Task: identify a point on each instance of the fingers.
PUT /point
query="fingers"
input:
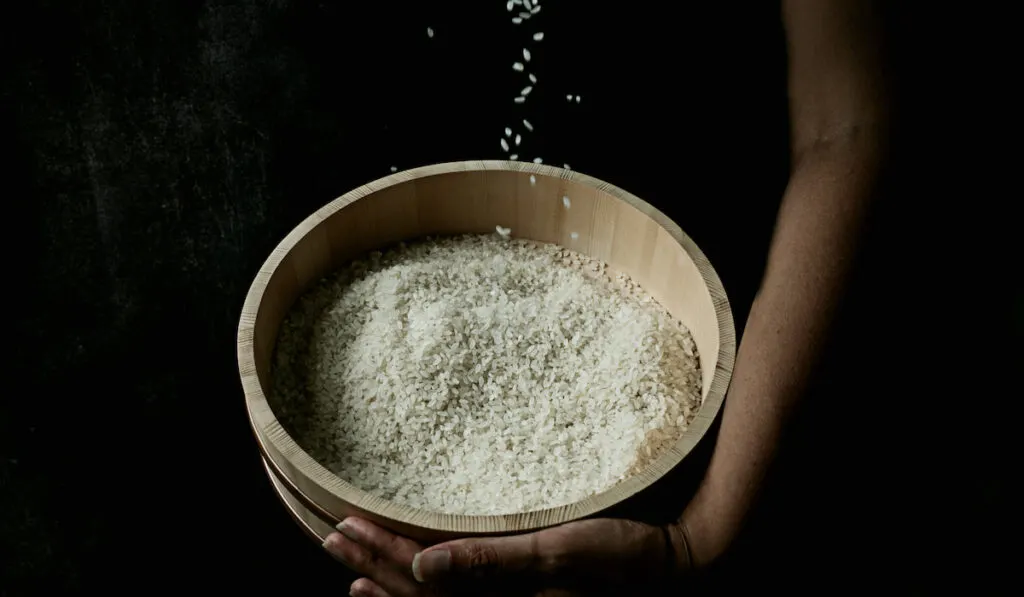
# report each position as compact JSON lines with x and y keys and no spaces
{"x":590,"y":552}
{"x":477,"y":558}
{"x":603,"y":552}
{"x":384,"y":543}
{"x":365,"y":587}
{"x":394,"y":580}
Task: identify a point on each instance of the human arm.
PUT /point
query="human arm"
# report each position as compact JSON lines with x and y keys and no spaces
{"x":839,"y":122}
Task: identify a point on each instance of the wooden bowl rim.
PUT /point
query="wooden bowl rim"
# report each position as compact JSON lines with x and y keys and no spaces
{"x":307,"y":467}
{"x":292,"y":504}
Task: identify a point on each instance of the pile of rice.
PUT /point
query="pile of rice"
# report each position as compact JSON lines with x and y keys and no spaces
{"x":481,"y":375}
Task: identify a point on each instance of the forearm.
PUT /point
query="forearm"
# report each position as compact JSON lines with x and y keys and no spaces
{"x":813,"y":247}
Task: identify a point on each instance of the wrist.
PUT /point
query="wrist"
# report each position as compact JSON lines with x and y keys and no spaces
{"x":706,"y":530}
{"x":677,"y":541}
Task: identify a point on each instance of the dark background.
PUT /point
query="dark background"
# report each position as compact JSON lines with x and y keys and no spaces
{"x":158,"y":150}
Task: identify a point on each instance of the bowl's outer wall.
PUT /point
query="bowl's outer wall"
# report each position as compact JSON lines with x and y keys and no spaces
{"x":601,"y":221}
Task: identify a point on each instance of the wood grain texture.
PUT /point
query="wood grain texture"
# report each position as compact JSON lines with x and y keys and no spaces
{"x":602,"y":221}
{"x":313,"y":525}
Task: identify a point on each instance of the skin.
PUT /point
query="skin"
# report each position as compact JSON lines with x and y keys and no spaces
{"x":839,"y":119}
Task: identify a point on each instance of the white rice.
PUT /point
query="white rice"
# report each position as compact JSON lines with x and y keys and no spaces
{"x":538,"y":36}
{"x":527,"y":124}
{"x":478,"y":375}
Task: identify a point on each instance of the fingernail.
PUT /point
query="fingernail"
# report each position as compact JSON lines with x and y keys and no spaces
{"x":332,"y":546}
{"x":434,"y":563}
{"x":359,"y":588}
{"x":348,"y":529}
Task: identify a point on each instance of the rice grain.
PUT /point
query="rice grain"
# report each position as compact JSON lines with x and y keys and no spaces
{"x":483,"y":375}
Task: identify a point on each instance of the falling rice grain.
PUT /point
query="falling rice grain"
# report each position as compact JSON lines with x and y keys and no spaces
{"x":538,"y":36}
{"x":538,"y":161}
{"x":524,"y":15}
{"x":504,"y":144}
{"x":533,"y":180}
{"x":519,"y":99}
{"x":566,"y":202}
{"x":430,"y":32}
{"x":509,"y":5}
{"x":535,"y":10}
{"x":577,"y":99}
{"x":518,"y":66}
{"x":527,"y":4}
{"x":517,"y":20}
{"x":514,"y":157}
{"x":566,"y":166}
{"x":526,"y":55}
{"x":533,"y":79}
{"x":518,"y":139}
{"x":394,"y":168}
{"x":568,"y":97}
{"x":526,"y":90}
{"x":508,"y":132}
{"x":527,"y":124}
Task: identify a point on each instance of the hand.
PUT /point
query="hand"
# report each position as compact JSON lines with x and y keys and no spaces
{"x":579,"y":558}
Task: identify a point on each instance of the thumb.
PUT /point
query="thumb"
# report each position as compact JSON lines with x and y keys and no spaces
{"x":588,"y":551}
{"x":477,"y":558}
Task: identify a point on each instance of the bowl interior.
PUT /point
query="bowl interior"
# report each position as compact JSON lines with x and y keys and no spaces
{"x":556,"y":206}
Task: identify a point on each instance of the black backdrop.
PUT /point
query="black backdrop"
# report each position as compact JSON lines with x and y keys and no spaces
{"x":161,"y":148}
